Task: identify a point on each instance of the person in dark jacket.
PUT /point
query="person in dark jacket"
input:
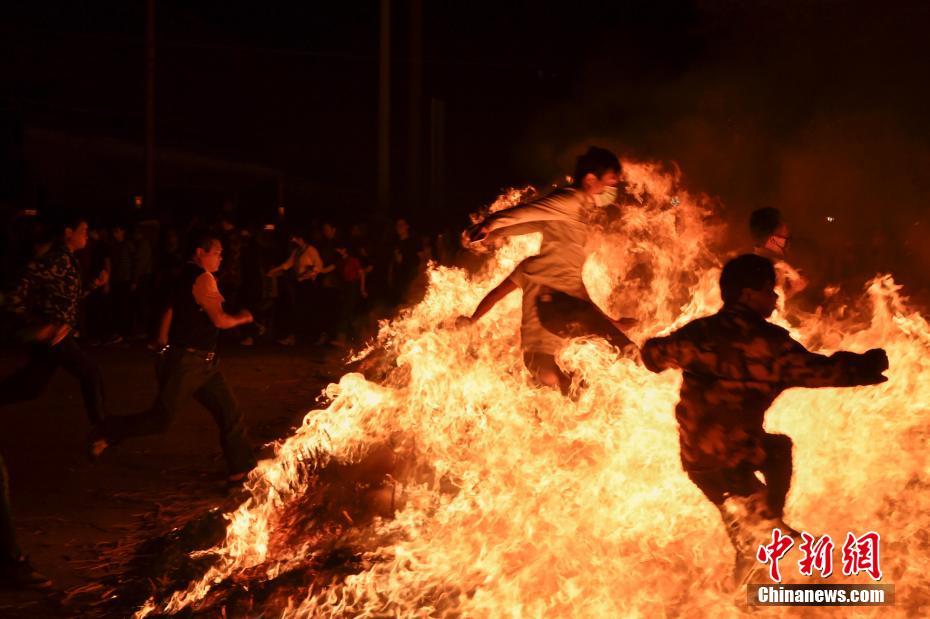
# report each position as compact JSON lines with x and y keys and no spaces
{"x":735,"y":364}
{"x":45,"y":307}
{"x":189,"y":331}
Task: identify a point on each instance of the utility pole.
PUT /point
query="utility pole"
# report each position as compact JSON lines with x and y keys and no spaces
{"x":437,"y":154}
{"x":414,"y":107}
{"x":149,"y":201}
{"x":384,"y":111}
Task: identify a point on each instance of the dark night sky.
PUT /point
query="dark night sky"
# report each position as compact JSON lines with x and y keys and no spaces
{"x":815,"y":106}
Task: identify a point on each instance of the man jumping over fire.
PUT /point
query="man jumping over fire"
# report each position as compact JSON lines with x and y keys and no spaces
{"x":555,"y":302}
{"x":735,"y":364}
{"x":772,"y":238}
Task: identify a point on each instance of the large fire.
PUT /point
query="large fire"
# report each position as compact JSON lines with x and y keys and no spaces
{"x":511,"y":500}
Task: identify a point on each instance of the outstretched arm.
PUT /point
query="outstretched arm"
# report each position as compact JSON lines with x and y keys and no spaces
{"x":662,"y":353}
{"x":209,"y":298}
{"x":284,"y":266}
{"x":796,"y":366}
{"x":490,"y":300}
{"x":513,"y":220}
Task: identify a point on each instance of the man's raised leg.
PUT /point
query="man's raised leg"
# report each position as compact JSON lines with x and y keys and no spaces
{"x":217,"y":398}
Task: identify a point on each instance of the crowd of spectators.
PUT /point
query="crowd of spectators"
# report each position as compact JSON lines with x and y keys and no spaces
{"x":318,"y":282}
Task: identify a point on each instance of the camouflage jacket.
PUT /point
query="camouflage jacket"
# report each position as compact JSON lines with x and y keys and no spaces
{"x":50,"y":288}
{"x":735,"y":364}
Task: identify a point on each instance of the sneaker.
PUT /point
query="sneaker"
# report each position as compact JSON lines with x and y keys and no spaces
{"x":787,"y":530}
{"x":20,"y":574}
{"x":247,"y":341}
{"x":237,"y":478}
{"x":290,"y":340}
{"x":747,"y":570}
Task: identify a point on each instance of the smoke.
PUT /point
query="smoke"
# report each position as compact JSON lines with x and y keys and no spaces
{"x":817,"y":109}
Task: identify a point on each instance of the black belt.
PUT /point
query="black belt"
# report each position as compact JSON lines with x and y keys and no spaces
{"x":206,"y":355}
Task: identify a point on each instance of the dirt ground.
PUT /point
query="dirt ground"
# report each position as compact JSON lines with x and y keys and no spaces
{"x":71,"y":514}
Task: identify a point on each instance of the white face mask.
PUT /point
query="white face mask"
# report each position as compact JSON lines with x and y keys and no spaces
{"x":606,"y":197}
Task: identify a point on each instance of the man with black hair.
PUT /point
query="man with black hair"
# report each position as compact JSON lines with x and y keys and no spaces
{"x":771,"y":239}
{"x":45,"y":308}
{"x":556,"y":304}
{"x":735,"y":364}
{"x":189,"y":331}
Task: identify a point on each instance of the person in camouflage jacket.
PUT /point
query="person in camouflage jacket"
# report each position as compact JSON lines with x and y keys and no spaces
{"x":45,"y":305}
{"x":734,"y":365}
{"x":49,"y":290}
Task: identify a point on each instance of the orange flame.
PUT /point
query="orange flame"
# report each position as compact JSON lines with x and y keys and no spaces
{"x":580,"y":508}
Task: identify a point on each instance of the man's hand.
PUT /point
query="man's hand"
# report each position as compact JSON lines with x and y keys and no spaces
{"x":474,"y":239}
{"x":103,"y":278}
{"x":60,"y":333}
{"x":44,"y":333}
{"x":51,"y":333}
{"x":871,"y":364}
{"x":625,"y":322}
{"x":875,"y":360}
{"x":244,"y":317}
{"x":461,"y":322}
{"x":480,"y":235}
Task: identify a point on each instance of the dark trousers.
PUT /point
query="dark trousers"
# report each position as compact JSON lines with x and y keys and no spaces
{"x":29,"y":381}
{"x":327,"y":309}
{"x":144,"y":320}
{"x":285,"y":307}
{"x":568,"y":316}
{"x":717,"y":484}
{"x":351,"y":302}
{"x":9,"y":551}
{"x":97,"y":315}
{"x":184,"y":375}
{"x":303,"y":324}
{"x":122,"y":306}
{"x":539,"y":362}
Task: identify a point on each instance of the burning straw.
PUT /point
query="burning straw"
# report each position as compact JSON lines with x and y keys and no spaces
{"x":476,"y":493}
